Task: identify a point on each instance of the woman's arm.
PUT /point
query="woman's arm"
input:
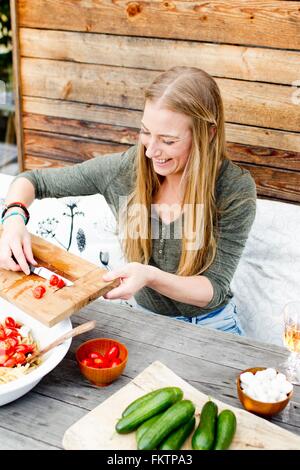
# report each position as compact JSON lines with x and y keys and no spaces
{"x":192,"y":290}
{"x":84,"y":179}
{"x":21,"y":190}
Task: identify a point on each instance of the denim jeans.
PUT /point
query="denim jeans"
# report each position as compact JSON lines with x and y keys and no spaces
{"x":223,"y":319}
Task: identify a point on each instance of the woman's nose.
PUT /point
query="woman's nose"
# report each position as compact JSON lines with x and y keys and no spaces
{"x":153,"y":150}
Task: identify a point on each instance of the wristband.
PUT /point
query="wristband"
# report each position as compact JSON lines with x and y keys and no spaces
{"x":16,"y":204}
{"x":14,"y":213}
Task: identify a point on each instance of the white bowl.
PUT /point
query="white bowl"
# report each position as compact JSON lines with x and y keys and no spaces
{"x":43,"y":335}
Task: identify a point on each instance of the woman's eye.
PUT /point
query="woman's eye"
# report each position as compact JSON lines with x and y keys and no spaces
{"x":167,"y":142}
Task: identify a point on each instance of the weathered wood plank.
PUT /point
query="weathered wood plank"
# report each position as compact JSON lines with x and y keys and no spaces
{"x":220,"y":60}
{"x":248,"y":103}
{"x":277,"y":184}
{"x":31,"y":162}
{"x":83,"y":111}
{"x":261,"y":23}
{"x":238,"y":152}
{"x":43,"y":419}
{"x":263,"y":137}
{"x":80,"y":128}
{"x":268,"y":157}
{"x":68,"y":148}
{"x":12,"y":440}
{"x":131,"y":119}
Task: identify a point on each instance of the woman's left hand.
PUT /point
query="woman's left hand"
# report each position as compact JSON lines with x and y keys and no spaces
{"x":133,"y":276}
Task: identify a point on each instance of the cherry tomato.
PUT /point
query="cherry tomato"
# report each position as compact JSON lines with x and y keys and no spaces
{"x":100,"y":362}
{"x":13,"y":342}
{"x":10,"y":322}
{"x":3,"y":359}
{"x":115,"y":362}
{"x":24,"y":348}
{"x":61,"y":283}
{"x":39,"y":291}
{"x":88,"y":362}
{"x":95,"y":355}
{"x":19,"y":357}
{"x":11,"y":362}
{"x":2,"y":333}
{"x":53,"y":280}
{"x":112,"y":353}
{"x":6,"y":347}
{"x":11,"y":333}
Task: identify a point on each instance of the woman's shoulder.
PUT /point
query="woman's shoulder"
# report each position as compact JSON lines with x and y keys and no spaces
{"x":235,"y":180}
{"x":119,"y":170}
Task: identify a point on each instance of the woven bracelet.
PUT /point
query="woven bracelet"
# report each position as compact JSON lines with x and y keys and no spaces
{"x":16,"y":204}
{"x":14,"y":213}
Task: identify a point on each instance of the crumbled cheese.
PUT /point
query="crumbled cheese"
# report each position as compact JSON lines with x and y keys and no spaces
{"x":266,"y":385}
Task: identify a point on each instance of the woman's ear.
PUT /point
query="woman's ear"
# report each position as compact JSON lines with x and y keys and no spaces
{"x":212,"y":132}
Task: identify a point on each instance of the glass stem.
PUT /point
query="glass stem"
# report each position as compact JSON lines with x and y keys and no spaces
{"x":293,"y":359}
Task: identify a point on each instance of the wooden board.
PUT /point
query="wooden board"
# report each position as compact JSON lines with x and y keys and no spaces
{"x":259,"y":23}
{"x":96,"y":430}
{"x":220,"y":60}
{"x":56,"y":304}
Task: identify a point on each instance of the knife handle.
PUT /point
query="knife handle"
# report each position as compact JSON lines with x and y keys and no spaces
{"x":31,"y":268}
{"x":14,"y":258}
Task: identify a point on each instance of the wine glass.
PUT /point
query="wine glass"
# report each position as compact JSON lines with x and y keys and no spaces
{"x":291,"y":339}
{"x":104,"y":259}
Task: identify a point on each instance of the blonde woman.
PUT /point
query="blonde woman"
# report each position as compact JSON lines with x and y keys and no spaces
{"x":184,"y":209}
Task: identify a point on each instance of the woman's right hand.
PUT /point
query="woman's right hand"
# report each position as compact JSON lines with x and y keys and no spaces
{"x":15,"y":240}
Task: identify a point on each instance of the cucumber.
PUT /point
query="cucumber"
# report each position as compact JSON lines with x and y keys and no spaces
{"x":160,"y":402}
{"x":177,"y":438}
{"x":146,"y":425}
{"x":204,"y":436}
{"x":141,"y":401}
{"x":177,"y":415}
{"x":226,"y":427}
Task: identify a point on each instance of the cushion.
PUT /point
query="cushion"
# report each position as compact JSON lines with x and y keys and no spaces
{"x":268,"y":274}
{"x":83,"y":225}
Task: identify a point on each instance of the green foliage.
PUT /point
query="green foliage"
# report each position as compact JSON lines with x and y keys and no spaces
{"x":5,"y":37}
{"x":5,"y":25}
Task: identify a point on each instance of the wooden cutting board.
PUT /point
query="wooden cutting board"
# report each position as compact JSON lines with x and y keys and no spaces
{"x":96,"y":430}
{"x":56,"y":304}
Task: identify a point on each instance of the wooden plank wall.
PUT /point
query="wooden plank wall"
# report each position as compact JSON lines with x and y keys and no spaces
{"x":84,"y":65}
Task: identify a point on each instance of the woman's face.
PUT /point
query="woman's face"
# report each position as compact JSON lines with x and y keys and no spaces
{"x":167,"y":137}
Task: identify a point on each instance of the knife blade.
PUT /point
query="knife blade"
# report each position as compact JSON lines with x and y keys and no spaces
{"x":46,"y":274}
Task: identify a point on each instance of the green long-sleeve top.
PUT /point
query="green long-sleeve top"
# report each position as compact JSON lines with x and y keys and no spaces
{"x":114,"y":176}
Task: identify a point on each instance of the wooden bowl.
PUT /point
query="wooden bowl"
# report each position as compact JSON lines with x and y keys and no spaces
{"x":259,"y":407}
{"x":104,"y":376}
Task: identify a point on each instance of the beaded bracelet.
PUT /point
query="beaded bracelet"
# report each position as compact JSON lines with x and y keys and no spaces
{"x":14,"y":213}
{"x":16,"y":204}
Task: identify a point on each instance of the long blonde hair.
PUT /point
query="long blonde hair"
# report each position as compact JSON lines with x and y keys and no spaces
{"x":194,"y":93}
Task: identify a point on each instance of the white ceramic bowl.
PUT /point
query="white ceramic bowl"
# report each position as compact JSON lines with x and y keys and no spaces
{"x":43,"y":335}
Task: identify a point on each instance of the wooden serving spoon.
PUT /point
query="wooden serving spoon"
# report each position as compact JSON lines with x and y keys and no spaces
{"x":74,"y":332}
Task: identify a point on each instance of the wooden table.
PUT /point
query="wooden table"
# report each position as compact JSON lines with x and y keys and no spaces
{"x":207,"y":359}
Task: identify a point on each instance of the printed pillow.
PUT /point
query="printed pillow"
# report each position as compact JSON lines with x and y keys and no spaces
{"x":83,"y":225}
{"x":268,"y":275}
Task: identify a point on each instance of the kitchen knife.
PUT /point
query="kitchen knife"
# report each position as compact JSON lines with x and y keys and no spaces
{"x":46,"y":274}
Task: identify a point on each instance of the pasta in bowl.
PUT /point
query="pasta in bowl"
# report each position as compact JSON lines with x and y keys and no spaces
{"x":16,"y":379}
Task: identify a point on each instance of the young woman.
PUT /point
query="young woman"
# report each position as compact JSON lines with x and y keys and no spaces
{"x":184,"y":209}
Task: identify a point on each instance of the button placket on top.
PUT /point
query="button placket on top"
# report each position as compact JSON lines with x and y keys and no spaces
{"x":161,"y":241}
